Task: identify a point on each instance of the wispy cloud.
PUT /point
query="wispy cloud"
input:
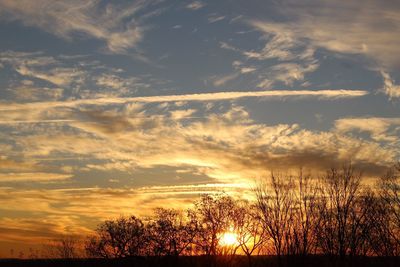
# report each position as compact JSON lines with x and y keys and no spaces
{"x":381,"y":129}
{"x":295,"y":58}
{"x":195,"y":5}
{"x":27,"y":91}
{"x":390,"y":88}
{"x":58,"y":76}
{"x":215,"y":18}
{"x":117,"y":25}
{"x":222,"y":80}
{"x":33,"y":177}
{"x":227,"y":147}
{"x":286,"y":73}
{"x":280,"y":43}
{"x":33,"y":121}
{"x":42,"y":77}
{"x":117,"y":83}
{"x":370,"y":29}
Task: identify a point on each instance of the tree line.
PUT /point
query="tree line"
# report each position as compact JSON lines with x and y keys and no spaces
{"x":335,"y":215}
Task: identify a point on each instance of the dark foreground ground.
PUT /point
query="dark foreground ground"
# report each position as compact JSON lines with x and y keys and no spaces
{"x":200,"y":261}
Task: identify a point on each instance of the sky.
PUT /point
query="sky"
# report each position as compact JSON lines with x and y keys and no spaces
{"x":114,"y":108}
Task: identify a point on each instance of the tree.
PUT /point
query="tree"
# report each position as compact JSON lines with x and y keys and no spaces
{"x":341,"y":189}
{"x":362,"y":223}
{"x":123,"y":237}
{"x":212,"y":216}
{"x":305,"y":217}
{"x":170,"y":233}
{"x":389,"y":192}
{"x":64,"y":247}
{"x":274,"y":203}
{"x":249,"y":229}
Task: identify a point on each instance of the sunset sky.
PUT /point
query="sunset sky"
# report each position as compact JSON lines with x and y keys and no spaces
{"x":110,"y":108}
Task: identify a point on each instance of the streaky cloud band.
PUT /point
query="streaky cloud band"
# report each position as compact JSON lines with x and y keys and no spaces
{"x":219,"y":96}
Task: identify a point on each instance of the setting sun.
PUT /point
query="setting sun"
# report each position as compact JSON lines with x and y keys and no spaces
{"x":228,"y":239}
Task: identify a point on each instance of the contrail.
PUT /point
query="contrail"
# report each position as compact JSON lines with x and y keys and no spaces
{"x":324,"y":94}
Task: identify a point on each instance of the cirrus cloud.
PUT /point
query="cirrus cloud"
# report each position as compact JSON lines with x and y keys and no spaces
{"x":117,"y":25}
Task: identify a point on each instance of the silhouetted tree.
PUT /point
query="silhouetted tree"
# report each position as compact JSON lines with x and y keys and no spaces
{"x":249,"y":229}
{"x":212,"y":216}
{"x":389,"y":212}
{"x":118,"y":238}
{"x":361,"y":224}
{"x":274,"y":203}
{"x":305,"y":218}
{"x":341,"y":189}
{"x":64,"y":247}
{"x":170,"y":233}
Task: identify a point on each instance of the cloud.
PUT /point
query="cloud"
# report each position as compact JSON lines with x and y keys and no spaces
{"x":36,"y":68}
{"x":240,"y":68}
{"x":222,"y":80}
{"x":324,"y":94}
{"x":247,"y":70}
{"x":39,"y":231}
{"x":195,"y":5}
{"x":369,"y":29}
{"x":50,"y":213}
{"x":9,"y":165}
{"x":33,"y":177}
{"x":295,"y":57}
{"x":381,"y":129}
{"x":227,"y":46}
{"x":61,"y":77}
{"x":279,"y":43}
{"x":115,"y":82}
{"x":27,"y":92}
{"x":226,"y":147}
{"x":34,"y":121}
{"x":215,"y":18}
{"x":182,"y":114}
{"x":117,"y":25}
{"x":26,"y":58}
{"x":287,"y":73}
{"x":57,"y":76}
{"x":390,"y":88}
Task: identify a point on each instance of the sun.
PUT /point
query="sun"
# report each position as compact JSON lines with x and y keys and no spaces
{"x":228,"y":239}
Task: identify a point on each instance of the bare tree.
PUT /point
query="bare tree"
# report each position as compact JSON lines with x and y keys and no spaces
{"x":305,"y":216}
{"x":212,"y":216}
{"x":118,"y":238}
{"x":64,"y":247}
{"x":362,"y":221}
{"x":274,"y":203}
{"x":249,"y":229}
{"x":389,"y":192}
{"x":341,"y":189}
{"x":170,"y":233}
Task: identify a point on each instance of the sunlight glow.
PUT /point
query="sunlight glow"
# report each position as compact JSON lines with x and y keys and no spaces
{"x":228,"y":239}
